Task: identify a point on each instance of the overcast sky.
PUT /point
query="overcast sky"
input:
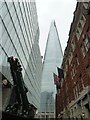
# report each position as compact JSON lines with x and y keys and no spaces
{"x":60,"y":10}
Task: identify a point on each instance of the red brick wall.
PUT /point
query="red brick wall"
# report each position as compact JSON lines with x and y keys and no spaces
{"x":67,"y":95}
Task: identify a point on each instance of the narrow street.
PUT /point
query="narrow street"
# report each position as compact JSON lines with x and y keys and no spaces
{"x":51,"y":84}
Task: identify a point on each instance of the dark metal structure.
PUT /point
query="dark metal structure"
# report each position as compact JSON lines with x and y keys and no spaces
{"x":20,"y":106}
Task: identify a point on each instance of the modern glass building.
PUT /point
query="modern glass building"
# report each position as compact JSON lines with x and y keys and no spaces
{"x":52,"y":59}
{"x":19,"y":37}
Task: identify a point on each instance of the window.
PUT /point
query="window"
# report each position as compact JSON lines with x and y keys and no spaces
{"x":83,"y":50}
{"x":86,"y":44}
{"x":10,"y":27}
{"x":80,"y":28}
{"x":75,"y":70}
{"x":88,"y":31}
{"x":79,"y":25}
{"x":76,"y":89}
{"x":77,"y":34}
{"x":64,"y":73}
{"x":88,"y":69}
{"x":85,"y":5}
{"x":81,"y":79}
{"x":7,"y":19}
{"x":70,"y":57}
{"x":77,"y":61}
{"x":3,"y":11}
{"x":73,"y":45}
{"x":72,"y":74}
{"x":66,"y":67}
{"x":82,"y":21}
{"x":7,"y":44}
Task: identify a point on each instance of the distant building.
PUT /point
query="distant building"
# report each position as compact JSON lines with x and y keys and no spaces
{"x":19,"y":37}
{"x":73,"y":99}
{"x":52,"y":59}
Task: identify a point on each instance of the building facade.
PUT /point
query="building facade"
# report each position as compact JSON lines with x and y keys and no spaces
{"x":52,"y":58}
{"x":73,"y":99}
{"x":19,"y":37}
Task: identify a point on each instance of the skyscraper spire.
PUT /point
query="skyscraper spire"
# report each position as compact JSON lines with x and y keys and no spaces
{"x":52,"y":58}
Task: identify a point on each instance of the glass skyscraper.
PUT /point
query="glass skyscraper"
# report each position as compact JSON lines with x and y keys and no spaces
{"x":19,"y":37}
{"x":52,"y":59}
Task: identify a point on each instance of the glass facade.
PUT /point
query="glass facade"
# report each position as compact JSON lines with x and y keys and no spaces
{"x":19,"y":37}
{"x":52,"y":59}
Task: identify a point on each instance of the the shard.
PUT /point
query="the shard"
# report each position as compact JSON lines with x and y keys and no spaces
{"x":52,"y":59}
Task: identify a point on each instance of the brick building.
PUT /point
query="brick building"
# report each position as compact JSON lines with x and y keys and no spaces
{"x":73,"y":99}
